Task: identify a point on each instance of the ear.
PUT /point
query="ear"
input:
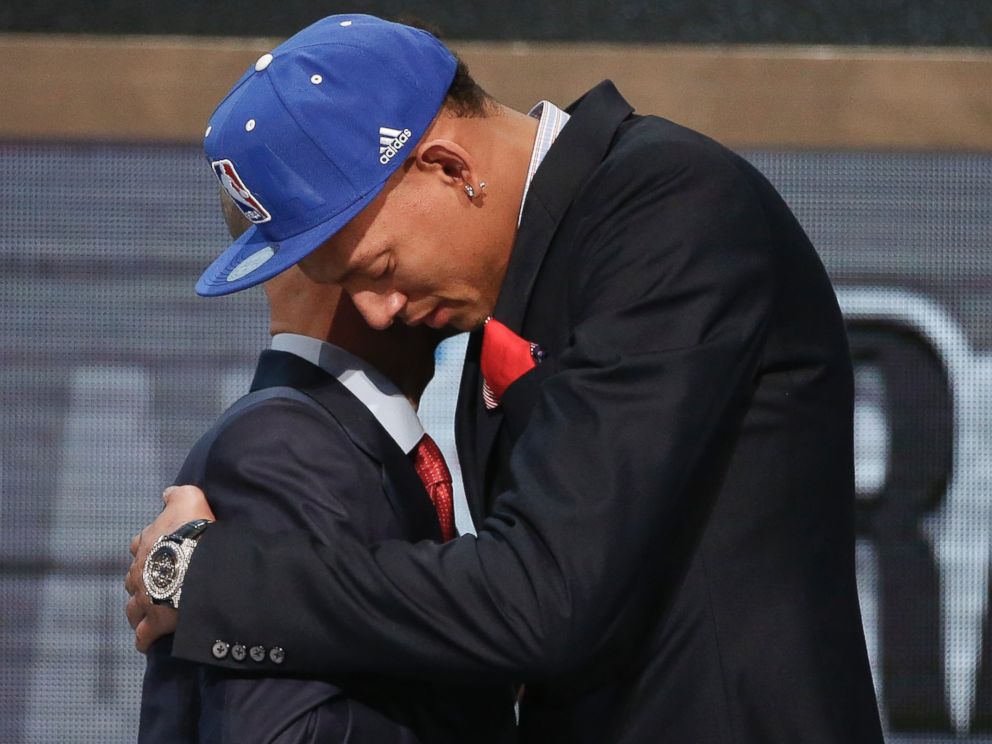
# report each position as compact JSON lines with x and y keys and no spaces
{"x":448,"y":161}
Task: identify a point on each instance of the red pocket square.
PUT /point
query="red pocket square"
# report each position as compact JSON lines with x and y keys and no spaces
{"x":505,"y":357}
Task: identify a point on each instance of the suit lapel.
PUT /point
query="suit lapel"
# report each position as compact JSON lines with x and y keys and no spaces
{"x":579,"y":148}
{"x":471,"y":419}
{"x":402,"y":485}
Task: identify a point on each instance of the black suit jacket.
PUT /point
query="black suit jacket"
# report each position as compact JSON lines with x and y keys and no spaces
{"x":665,"y":506}
{"x":300,"y":452}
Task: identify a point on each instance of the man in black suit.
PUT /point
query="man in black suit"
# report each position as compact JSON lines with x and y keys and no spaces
{"x":664,"y":501}
{"x":318,"y":445}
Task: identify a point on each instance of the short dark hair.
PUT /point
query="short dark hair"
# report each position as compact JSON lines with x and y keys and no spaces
{"x":465,"y":98}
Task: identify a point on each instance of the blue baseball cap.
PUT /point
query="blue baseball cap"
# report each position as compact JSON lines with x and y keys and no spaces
{"x":311,"y":132}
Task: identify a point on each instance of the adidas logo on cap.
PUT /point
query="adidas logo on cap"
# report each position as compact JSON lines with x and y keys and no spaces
{"x":390,"y":142}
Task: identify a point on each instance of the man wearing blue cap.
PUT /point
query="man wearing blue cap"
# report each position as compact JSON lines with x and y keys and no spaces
{"x":655,"y":427}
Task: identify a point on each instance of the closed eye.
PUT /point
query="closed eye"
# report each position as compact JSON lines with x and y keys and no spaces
{"x":384,"y":270}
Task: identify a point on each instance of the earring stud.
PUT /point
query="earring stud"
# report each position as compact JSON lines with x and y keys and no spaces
{"x":470,"y":190}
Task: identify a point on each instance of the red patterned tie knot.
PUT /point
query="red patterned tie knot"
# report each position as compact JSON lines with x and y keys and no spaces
{"x":433,"y":471}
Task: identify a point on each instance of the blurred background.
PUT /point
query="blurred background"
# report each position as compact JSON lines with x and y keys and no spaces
{"x":872,"y":117}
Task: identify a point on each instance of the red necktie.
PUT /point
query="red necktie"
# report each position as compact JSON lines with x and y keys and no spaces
{"x":433,"y":471}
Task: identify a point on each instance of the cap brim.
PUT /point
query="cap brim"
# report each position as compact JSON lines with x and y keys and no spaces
{"x":251,"y":259}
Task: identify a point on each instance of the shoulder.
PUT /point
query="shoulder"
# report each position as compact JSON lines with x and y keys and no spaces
{"x":669,"y":218}
{"x":650,"y":151}
{"x":280,"y":427}
{"x":661,"y":188}
{"x":278,"y":460}
{"x":279,"y":419}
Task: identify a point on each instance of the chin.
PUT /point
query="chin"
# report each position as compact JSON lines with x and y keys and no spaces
{"x":470,"y":322}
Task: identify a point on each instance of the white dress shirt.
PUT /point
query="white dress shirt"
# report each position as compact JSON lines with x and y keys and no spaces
{"x":383,"y":399}
{"x":551,"y":120}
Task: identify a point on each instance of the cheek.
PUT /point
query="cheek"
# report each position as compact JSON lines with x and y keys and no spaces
{"x":451,"y":271}
{"x":424,"y":265}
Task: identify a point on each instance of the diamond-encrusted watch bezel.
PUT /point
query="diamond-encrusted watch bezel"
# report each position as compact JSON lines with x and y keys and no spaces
{"x":180,"y":558}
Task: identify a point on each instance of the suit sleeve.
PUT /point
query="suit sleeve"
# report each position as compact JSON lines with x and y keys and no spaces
{"x":670,"y":296}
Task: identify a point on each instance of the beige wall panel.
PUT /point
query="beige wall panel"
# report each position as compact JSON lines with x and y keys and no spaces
{"x":163,"y":88}
{"x":129,"y":88}
{"x":771,"y":97}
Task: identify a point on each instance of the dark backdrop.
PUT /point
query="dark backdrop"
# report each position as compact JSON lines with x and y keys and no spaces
{"x":896,"y":22}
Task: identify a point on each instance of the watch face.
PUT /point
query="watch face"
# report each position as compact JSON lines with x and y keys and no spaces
{"x":161,"y":571}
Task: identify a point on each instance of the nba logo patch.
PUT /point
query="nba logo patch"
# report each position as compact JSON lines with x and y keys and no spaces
{"x":237,"y":190}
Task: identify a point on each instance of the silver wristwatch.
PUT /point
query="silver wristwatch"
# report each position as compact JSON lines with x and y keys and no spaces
{"x":166,"y":564}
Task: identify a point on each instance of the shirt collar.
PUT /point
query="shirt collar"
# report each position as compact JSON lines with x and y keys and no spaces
{"x":551,"y":120}
{"x":383,"y":399}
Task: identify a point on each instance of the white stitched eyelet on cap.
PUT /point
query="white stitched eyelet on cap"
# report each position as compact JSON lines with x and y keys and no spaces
{"x":263,"y":62}
{"x":346,"y":23}
{"x":207,"y":133}
{"x":249,"y":125}
{"x":316,"y":79}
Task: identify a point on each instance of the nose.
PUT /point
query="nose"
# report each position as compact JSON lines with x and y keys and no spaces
{"x":379,"y":310}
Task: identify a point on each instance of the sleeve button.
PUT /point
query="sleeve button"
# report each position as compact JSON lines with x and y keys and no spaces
{"x":219,"y":649}
{"x":277,"y":655}
{"x":257,"y":653}
{"x":238,"y":652}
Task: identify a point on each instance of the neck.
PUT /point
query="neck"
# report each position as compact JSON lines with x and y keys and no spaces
{"x":501,"y":144}
{"x":510,"y":144}
{"x":409,"y":369}
{"x":403,"y":354}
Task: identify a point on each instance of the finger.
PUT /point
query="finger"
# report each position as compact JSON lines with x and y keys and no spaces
{"x":184,"y":504}
{"x":157,"y":622}
{"x":135,"y":543}
{"x":133,"y":581}
{"x":134,"y":611}
{"x":189,"y":495}
{"x":142,"y":636}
